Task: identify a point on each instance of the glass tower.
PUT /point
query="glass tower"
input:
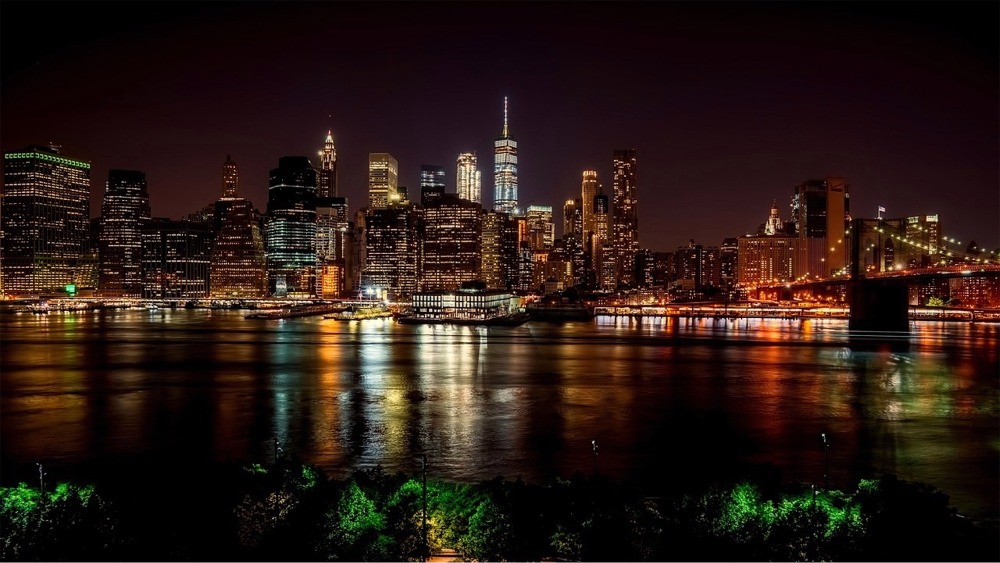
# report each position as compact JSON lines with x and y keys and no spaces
{"x":468,"y":178}
{"x":291,"y":228}
{"x":505,"y":169}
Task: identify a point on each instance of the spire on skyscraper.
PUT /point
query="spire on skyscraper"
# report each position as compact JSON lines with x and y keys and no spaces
{"x":506,"y":131}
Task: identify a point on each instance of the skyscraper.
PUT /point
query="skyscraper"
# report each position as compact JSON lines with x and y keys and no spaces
{"x":45,"y":220}
{"x":468,"y":178}
{"x":327,"y":186}
{"x":431,"y":182}
{"x":450,"y":231}
{"x":602,"y":250}
{"x":239,"y":266}
{"x":125,"y":209}
{"x":391,"y":251}
{"x":587,"y":192}
{"x":499,"y":250}
{"x":541,"y":229}
{"x":505,"y":169}
{"x":175,"y":258}
{"x":820,"y":209}
{"x":383,"y":180}
{"x":230,"y":178}
{"x":291,"y":228}
{"x":625,"y":214}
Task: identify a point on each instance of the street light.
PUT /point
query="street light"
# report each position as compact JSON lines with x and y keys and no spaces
{"x":593,"y":444}
{"x":826,"y":461}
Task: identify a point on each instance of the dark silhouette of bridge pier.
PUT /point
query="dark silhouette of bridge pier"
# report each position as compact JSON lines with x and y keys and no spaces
{"x":877,"y":305}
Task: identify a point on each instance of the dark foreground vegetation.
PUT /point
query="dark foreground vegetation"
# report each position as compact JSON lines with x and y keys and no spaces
{"x":291,"y":512}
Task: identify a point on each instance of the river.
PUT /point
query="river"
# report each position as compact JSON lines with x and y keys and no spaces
{"x":663,"y":399}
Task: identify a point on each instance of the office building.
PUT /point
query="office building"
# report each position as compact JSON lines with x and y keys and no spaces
{"x":328,"y":180}
{"x":469,"y":178}
{"x":499,"y":249}
{"x":175,"y":259}
{"x":383,"y":180}
{"x":602,"y":249}
{"x":505,"y":169}
{"x":625,"y":230}
{"x":123,"y":212}
{"x":541,"y":228}
{"x":391,"y":252}
{"x":291,"y":228}
{"x":238,"y":263}
{"x":820,"y":210}
{"x":450,"y":235}
{"x":45,"y":221}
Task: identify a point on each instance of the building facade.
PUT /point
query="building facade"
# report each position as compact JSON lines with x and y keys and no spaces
{"x":505,"y":169}
{"x":45,"y":221}
{"x":291,"y":228}
{"x":239,"y":263}
{"x":175,"y":259}
{"x":327,"y":185}
{"x":124,"y":211}
{"x":383,"y":180}
{"x":468,"y":178}
{"x":449,"y":235}
{"x":391,"y":253}
{"x":820,"y":209}
{"x":625,"y":217}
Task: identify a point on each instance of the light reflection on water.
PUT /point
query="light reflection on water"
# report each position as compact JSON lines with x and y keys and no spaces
{"x":673,"y":397}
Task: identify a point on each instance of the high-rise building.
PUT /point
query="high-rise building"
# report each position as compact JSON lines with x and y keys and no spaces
{"x":645,"y":268}
{"x":291,"y":228}
{"x":391,"y":252}
{"x":766,"y":259}
{"x":125,"y":209}
{"x":431,"y":183}
{"x":728,"y":263}
{"x":334,"y":248}
{"x":383,"y":180}
{"x":602,"y":250}
{"x":327,"y":186}
{"x":499,"y":248}
{"x":625,"y":231}
{"x":588,"y":190}
{"x":820,"y":209}
{"x":505,"y":169}
{"x":541,"y":229}
{"x":431,"y":177}
{"x":175,"y":258}
{"x":230,"y":178}
{"x":924,"y":234}
{"x":449,"y":235}
{"x":468,"y":178}
{"x":45,"y":221}
{"x":239,"y":265}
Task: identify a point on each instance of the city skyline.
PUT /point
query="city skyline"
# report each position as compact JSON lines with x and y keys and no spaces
{"x":176,"y":119}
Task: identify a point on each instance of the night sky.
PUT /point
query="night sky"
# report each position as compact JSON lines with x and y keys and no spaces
{"x":729,"y":105}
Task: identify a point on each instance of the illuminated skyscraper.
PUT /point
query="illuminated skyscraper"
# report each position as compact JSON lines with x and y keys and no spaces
{"x":238,"y":265}
{"x":230,"y":178}
{"x":327,"y":186}
{"x":573,"y":246}
{"x":820,"y":209}
{"x":468,"y":178}
{"x":291,"y":228}
{"x":175,"y":258}
{"x":587,"y":192}
{"x":505,"y":169}
{"x":541,"y":229}
{"x":450,"y":231}
{"x":125,"y":209}
{"x":499,"y":250}
{"x":625,"y":214}
{"x":334,"y":248}
{"x":391,"y":251}
{"x":383,"y":180}
{"x":602,"y":250}
{"x":45,"y":220}
{"x":431,"y":182}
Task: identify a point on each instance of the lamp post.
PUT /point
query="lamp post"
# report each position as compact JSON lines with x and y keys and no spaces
{"x":593,"y":444}
{"x":826,"y":461}
{"x":41,"y":480}
{"x":423,"y":468}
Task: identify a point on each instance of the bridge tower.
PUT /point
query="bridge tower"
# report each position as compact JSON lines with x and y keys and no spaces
{"x":879,"y":305}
